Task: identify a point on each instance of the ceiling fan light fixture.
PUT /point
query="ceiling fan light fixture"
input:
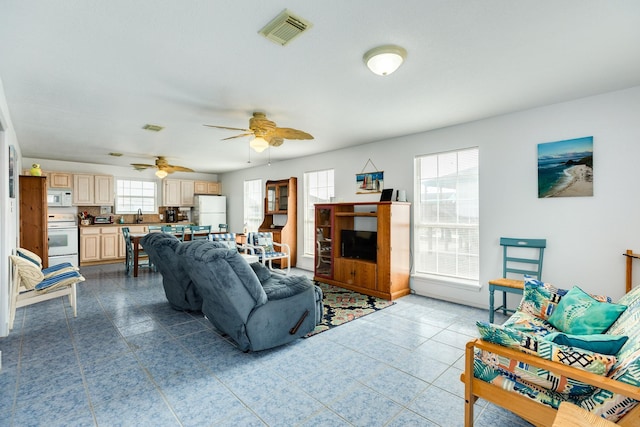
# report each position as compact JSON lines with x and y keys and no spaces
{"x":384,"y":60}
{"x":161,"y":174}
{"x":259,"y":144}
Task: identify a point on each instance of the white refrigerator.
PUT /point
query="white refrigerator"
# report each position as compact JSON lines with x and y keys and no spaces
{"x":210,"y":210}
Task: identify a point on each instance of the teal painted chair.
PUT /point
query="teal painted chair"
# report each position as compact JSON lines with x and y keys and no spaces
{"x":143,"y":257}
{"x":176,"y":230}
{"x":200,"y":232}
{"x":519,"y":257}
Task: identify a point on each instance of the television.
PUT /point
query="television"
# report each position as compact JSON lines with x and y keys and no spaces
{"x":359,"y":244}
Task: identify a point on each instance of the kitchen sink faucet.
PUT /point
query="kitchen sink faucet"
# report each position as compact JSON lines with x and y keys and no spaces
{"x":139,"y":216}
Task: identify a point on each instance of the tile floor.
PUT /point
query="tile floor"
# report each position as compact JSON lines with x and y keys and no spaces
{"x":129,"y":359}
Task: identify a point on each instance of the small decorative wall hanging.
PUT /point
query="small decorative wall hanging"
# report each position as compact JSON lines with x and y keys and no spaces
{"x":369,"y":182}
{"x":565,"y":168}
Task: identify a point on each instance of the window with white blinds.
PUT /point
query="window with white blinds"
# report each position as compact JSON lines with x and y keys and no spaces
{"x":132,"y":195}
{"x":446,"y":225}
{"x":253,"y":204}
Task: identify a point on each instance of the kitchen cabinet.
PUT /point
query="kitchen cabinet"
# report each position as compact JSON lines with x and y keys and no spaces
{"x":186,"y":193}
{"x":89,"y":244}
{"x":176,"y":192}
{"x":59,"y":180}
{"x":207,"y":187}
{"x":104,"y":244}
{"x":33,"y":216}
{"x":93,"y":190}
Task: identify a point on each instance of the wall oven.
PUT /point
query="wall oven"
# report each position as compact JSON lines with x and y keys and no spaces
{"x":63,"y":238}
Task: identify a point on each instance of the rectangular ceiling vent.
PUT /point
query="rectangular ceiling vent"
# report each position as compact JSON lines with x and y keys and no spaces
{"x":284,"y":28}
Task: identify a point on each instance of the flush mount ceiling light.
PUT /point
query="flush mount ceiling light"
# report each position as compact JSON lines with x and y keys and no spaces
{"x":161,"y":174}
{"x":384,"y":60}
{"x":259,"y":144}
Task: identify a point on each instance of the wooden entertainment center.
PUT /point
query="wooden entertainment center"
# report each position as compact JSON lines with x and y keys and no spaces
{"x":387,"y":276}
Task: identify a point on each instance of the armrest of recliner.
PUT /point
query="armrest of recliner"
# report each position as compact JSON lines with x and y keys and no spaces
{"x":286,"y":287}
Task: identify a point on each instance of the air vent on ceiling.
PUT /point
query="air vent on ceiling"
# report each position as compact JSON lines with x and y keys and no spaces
{"x":152,"y":128}
{"x":285,"y":27}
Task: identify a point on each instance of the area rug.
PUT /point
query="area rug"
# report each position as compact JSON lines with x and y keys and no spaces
{"x":342,"y":306}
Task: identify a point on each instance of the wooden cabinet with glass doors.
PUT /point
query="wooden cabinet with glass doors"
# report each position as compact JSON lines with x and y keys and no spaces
{"x":281,"y":215}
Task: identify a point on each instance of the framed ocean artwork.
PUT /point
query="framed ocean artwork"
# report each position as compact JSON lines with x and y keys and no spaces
{"x":565,"y":168}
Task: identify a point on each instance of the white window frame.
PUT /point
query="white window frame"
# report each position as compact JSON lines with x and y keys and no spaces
{"x":319,"y":187}
{"x":253,"y":206}
{"x":447,"y":215}
{"x":134,"y":194}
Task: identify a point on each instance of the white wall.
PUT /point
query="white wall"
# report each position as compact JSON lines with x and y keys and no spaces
{"x":586,"y":236}
{"x":9,"y":219}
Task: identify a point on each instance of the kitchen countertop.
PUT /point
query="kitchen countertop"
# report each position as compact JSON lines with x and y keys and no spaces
{"x":127,"y":224}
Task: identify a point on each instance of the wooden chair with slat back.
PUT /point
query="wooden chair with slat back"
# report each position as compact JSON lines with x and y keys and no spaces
{"x":519,"y":257}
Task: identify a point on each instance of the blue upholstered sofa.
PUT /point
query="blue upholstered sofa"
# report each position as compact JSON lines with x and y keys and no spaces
{"x":180,"y":290}
{"x":258,"y":309}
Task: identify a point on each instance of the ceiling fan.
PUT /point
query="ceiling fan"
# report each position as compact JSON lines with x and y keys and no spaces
{"x":266,"y":133}
{"x":164,"y":168}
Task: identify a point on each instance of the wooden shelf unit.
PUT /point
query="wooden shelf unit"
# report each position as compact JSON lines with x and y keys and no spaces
{"x":280,"y":205}
{"x":33,"y":216}
{"x":388,"y":276}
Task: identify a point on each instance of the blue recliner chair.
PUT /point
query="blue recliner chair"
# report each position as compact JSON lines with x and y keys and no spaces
{"x":255,"y":315}
{"x":180,"y":290}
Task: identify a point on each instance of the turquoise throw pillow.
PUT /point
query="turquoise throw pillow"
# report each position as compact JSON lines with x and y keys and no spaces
{"x":598,"y":343}
{"x":580,"y":314}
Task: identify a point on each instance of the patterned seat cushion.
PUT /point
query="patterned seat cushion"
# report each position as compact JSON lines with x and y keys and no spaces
{"x":589,"y":361}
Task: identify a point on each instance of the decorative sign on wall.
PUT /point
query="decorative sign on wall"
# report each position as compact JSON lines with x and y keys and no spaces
{"x":565,"y":168}
{"x":369,"y":182}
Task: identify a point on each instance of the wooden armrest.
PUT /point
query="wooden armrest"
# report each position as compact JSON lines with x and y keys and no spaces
{"x":529,"y":409}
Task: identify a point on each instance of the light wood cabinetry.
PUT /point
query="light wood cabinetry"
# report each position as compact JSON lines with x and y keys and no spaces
{"x":89,"y":244}
{"x":281,"y":215}
{"x":93,"y":190}
{"x":388,"y":276}
{"x":186,"y":193}
{"x":104,"y":244}
{"x":176,"y":192}
{"x":207,"y":187}
{"x":33,"y":216}
{"x":60,"y":180}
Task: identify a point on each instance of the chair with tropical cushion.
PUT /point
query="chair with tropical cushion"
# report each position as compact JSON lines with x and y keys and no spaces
{"x":261,"y":244}
{"x":31,"y":284}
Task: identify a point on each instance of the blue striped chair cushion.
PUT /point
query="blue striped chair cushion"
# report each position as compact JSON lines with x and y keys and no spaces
{"x":62,"y":279}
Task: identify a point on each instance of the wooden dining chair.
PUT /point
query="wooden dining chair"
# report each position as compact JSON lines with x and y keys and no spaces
{"x":519,"y":257}
{"x":143,"y":257}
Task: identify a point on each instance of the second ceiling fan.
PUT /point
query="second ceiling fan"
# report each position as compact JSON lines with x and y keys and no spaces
{"x":266,"y":132}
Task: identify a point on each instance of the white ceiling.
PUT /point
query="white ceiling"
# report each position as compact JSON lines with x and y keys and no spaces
{"x":82,"y":77}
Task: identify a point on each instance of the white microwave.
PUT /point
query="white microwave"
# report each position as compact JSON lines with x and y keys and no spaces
{"x":59,"y":198}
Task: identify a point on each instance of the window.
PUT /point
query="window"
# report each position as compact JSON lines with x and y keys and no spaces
{"x":132,"y":195}
{"x":318,"y":188}
{"x":447,"y":214}
{"x":253,"y":204}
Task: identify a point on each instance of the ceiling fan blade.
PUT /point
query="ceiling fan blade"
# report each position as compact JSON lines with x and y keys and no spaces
{"x":225,"y":127}
{"x":276,"y":141}
{"x":288,"y":133}
{"x":238,"y":136}
{"x":179,"y":169}
{"x":141,"y":165}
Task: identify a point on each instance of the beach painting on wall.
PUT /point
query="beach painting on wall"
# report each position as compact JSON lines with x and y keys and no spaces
{"x":565,"y":168}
